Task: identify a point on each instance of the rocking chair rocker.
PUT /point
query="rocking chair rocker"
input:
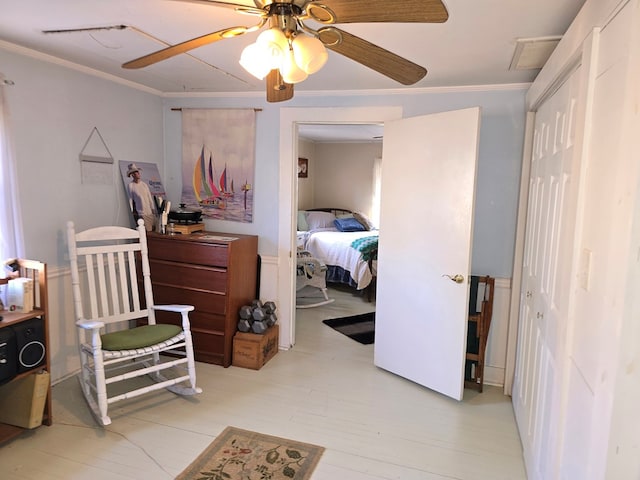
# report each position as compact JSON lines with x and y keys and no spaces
{"x":105,"y":279}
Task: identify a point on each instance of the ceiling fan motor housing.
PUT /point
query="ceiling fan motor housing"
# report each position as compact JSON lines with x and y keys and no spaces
{"x":283,"y":16}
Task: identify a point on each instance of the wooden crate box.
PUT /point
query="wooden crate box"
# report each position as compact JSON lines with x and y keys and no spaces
{"x":251,"y":350}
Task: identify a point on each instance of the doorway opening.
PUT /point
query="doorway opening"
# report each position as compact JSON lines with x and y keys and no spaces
{"x":340,"y":184}
{"x":290,"y":121}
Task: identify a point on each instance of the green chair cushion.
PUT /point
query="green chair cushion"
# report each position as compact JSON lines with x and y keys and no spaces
{"x":139,"y":337}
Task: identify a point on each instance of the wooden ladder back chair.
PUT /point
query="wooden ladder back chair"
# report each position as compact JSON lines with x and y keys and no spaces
{"x":107,"y":264}
{"x":479,"y":322}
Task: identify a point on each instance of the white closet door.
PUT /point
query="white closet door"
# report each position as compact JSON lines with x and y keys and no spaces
{"x":545,"y":280}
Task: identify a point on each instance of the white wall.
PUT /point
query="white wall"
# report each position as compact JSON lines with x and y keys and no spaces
{"x":499,"y":159}
{"x":343,"y":175}
{"x":53,"y":112}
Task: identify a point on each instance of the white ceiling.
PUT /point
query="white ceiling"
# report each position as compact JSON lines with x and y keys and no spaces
{"x":474,"y":47}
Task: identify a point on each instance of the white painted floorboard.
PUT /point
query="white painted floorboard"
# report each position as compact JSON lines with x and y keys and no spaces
{"x":326,"y":391}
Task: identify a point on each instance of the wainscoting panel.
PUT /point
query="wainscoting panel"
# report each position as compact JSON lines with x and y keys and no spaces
{"x":269,"y":279}
{"x":496,"y":354}
{"x":63,"y":336}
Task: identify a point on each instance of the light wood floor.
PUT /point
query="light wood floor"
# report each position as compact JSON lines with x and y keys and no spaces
{"x":326,"y":391}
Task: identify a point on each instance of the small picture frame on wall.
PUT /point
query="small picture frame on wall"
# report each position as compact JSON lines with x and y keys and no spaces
{"x":303,"y":168}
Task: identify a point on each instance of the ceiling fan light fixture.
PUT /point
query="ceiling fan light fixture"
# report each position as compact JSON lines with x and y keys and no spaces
{"x":289,"y":37}
{"x":254,"y":61}
{"x":265,"y":54}
{"x":296,"y":58}
{"x":274,"y":44}
{"x":310,"y":53}
{"x":291,"y":71}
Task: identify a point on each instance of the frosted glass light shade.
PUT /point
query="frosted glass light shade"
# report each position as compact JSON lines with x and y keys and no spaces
{"x":310,"y":53}
{"x":254,"y":61}
{"x":274,"y":44}
{"x":290,"y":71}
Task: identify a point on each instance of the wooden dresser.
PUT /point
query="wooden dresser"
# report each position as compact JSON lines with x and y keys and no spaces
{"x":216,"y":273}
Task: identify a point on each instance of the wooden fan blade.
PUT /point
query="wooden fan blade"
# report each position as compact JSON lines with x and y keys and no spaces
{"x":370,"y":55}
{"x":240,"y":7}
{"x":399,"y":11}
{"x":185,"y":47}
{"x":277,"y":90}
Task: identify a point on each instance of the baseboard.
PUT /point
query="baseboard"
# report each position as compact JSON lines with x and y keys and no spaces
{"x":494,"y":375}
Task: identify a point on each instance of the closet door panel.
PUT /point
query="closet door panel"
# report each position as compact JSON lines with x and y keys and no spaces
{"x":548,"y":247}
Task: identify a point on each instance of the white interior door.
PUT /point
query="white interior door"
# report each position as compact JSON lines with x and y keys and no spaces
{"x":426,"y":226}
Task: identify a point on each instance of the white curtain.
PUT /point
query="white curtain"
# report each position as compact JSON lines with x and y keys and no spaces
{"x":11,"y":233}
{"x":377,"y":184}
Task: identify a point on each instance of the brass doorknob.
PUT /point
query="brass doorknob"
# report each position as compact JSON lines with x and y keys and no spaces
{"x":456,"y":278}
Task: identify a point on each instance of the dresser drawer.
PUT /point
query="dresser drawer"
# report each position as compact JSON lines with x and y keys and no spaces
{"x":189,"y":276}
{"x":209,"y":347}
{"x":203,"y":301}
{"x":198,"y":320}
{"x":185,"y":251}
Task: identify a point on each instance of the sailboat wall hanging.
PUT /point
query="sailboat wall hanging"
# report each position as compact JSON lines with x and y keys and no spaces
{"x":218,"y":162}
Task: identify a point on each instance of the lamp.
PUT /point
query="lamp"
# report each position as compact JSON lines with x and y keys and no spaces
{"x":295,"y":56}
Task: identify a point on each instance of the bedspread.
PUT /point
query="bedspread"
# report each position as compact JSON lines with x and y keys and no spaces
{"x":334,"y":248}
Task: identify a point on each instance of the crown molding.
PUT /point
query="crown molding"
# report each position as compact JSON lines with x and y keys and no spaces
{"x":28,"y":52}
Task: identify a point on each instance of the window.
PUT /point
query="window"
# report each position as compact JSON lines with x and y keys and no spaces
{"x":11,"y":236}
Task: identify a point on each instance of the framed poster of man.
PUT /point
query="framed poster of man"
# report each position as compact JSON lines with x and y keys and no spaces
{"x":144,"y":190}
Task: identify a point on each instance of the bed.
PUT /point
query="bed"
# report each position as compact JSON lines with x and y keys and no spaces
{"x":346,"y":242}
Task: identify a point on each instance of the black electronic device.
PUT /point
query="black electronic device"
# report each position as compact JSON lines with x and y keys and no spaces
{"x":8,"y":355}
{"x":30,"y":344}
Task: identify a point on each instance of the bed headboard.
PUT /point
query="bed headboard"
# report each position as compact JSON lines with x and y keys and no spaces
{"x":335,"y":211}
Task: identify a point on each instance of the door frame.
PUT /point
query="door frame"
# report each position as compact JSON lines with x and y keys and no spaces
{"x":289,"y":120}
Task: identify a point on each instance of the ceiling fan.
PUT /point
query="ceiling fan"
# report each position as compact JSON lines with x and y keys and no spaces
{"x":289,"y":49}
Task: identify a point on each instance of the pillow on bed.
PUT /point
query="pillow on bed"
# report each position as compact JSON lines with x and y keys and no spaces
{"x":348,"y":225}
{"x":364,"y":220}
{"x":302,"y":221}
{"x":320,"y":220}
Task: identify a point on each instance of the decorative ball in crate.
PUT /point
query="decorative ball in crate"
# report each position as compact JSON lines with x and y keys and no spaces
{"x":257,"y":317}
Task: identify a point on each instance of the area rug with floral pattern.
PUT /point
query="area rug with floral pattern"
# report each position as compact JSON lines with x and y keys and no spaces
{"x":246,"y":455}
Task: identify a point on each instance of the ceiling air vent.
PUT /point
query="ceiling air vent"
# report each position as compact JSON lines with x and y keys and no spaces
{"x":533,"y":53}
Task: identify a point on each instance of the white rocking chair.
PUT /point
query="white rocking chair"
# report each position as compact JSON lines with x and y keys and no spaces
{"x":110,"y":350}
{"x":310,"y":273}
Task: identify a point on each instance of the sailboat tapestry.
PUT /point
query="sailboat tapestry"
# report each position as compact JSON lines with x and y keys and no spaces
{"x":218,"y":161}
